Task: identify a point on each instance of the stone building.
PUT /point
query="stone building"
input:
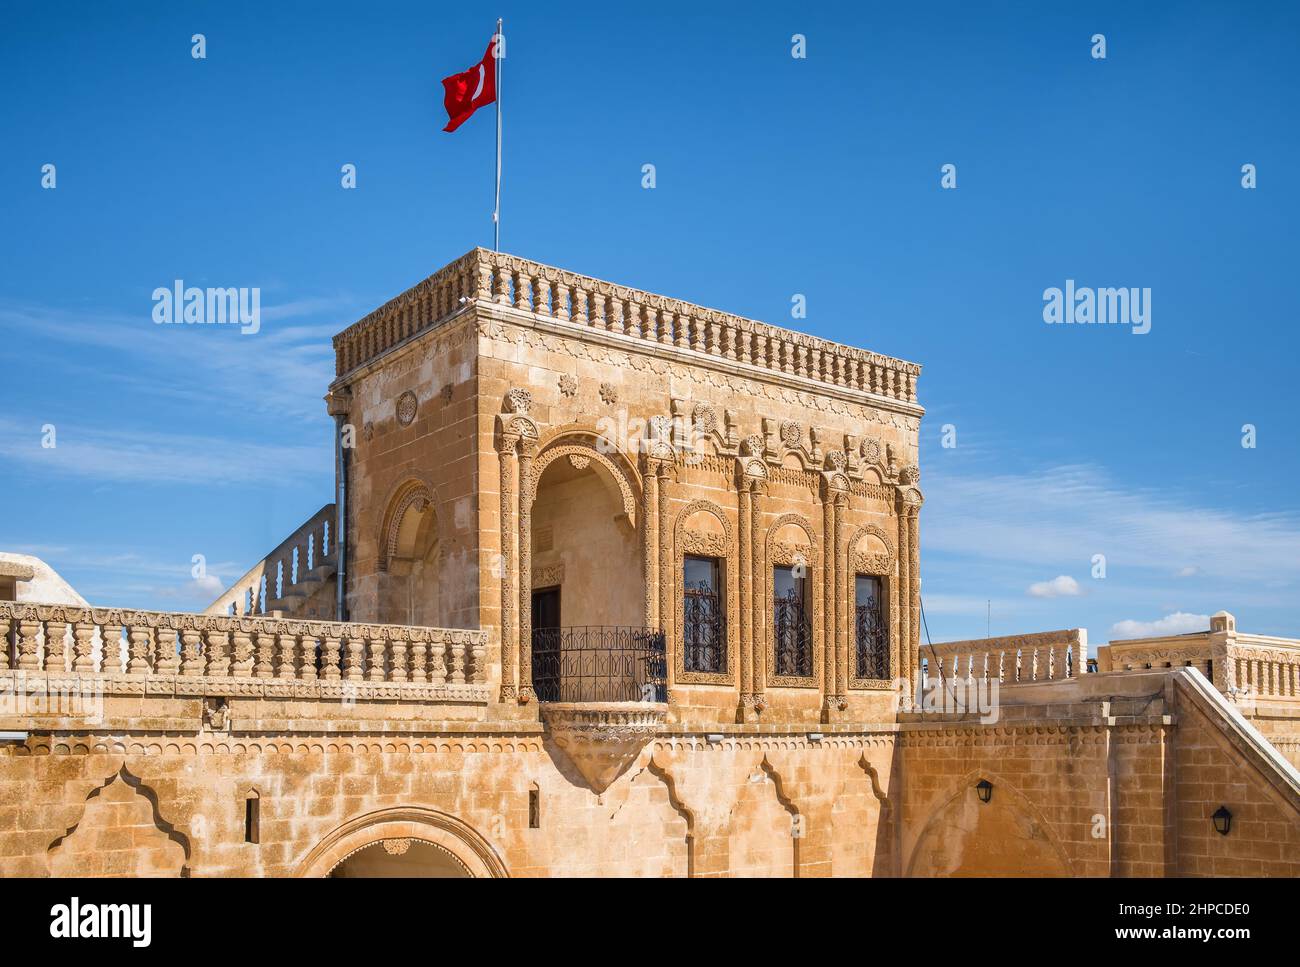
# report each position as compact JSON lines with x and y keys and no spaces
{"x":620,"y":586}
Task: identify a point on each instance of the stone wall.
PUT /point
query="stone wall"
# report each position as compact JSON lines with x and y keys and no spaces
{"x":1111,"y":775}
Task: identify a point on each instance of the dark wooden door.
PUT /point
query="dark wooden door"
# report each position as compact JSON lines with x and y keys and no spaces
{"x":546,"y":608}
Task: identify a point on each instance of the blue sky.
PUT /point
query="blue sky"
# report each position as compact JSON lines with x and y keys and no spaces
{"x":775,"y":176}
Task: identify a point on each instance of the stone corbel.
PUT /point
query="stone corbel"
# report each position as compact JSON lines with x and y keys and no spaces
{"x":338,"y":402}
{"x":750,"y":464}
{"x":771,"y":439}
{"x":851,"y":452}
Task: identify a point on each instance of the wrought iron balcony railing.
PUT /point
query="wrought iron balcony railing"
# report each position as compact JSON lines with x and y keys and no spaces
{"x":793,"y":631}
{"x":704,"y":631}
{"x":872,"y":640}
{"x":599,"y":663}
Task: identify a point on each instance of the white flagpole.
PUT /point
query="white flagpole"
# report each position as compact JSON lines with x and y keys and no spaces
{"x":496,"y":214}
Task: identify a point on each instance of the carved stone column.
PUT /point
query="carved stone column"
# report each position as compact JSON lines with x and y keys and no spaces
{"x":650,"y":537}
{"x":759,"y":629}
{"x":527,"y":450}
{"x":507,"y":565}
{"x":909,"y":672}
{"x":843,"y":604}
{"x":830,"y":579}
{"x":663,"y":542}
{"x":914,"y":575}
{"x":745,"y":581}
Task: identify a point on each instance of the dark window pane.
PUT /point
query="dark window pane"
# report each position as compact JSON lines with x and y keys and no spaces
{"x":871,"y":628}
{"x":704,"y":625}
{"x":791,"y":622}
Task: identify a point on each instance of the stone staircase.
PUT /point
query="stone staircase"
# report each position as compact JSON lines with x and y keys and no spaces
{"x":285,"y":579}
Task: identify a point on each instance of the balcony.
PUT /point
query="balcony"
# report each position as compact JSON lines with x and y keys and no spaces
{"x":603,"y":693}
{"x":599,"y":664}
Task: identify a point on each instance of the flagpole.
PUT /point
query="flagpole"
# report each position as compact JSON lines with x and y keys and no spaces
{"x":496,"y":214}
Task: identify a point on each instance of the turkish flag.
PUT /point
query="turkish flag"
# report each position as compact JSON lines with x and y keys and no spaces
{"x":470,"y":90}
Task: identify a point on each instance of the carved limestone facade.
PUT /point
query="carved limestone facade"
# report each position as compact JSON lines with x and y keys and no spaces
{"x":610,"y":566}
{"x":683,"y":431}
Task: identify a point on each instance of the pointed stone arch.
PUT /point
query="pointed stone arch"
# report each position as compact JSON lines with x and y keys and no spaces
{"x":862,"y":832}
{"x":169,"y":854}
{"x":1016,"y":839}
{"x":674,"y":799}
{"x":789,"y":824}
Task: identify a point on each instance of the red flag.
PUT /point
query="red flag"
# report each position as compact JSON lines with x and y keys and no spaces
{"x":470,"y":90}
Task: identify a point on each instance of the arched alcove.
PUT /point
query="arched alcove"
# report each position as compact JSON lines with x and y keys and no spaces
{"x":1004,"y":837}
{"x":409,"y":557}
{"x":584,"y":538}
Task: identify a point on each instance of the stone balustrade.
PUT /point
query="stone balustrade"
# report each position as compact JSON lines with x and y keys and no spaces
{"x":1018,"y":659}
{"x":582,"y":301}
{"x":1243,"y":666}
{"x":1194,"y":650}
{"x":292,"y":572}
{"x":1265,"y":667}
{"x":155,"y":652}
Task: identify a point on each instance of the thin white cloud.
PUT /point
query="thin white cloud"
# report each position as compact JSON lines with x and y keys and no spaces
{"x":1068,"y":514}
{"x":1061,"y":586}
{"x":144,"y":457}
{"x":1178,"y":623}
{"x":282,"y":368}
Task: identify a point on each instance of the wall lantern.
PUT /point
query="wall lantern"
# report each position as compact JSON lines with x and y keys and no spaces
{"x":984,"y":789}
{"x":1222,"y":820}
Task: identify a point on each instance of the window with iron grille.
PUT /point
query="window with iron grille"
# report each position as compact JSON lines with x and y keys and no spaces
{"x":871,"y":627}
{"x":791,"y":623}
{"x":704,"y":616}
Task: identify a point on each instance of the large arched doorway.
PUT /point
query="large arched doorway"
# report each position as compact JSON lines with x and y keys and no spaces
{"x":400,"y":857}
{"x":589,"y":634}
{"x":410,"y":841}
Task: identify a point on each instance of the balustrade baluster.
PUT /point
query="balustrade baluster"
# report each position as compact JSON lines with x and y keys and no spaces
{"x":83,"y":646}
{"x":243,"y":667}
{"x":378,"y":646}
{"x":29,"y":629}
{"x":438,"y":667}
{"x":6,"y":632}
{"x":457,"y":676}
{"x":140,"y":650}
{"x":166,"y":660}
{"x":286,"y":662}
{"x":398,"y":652}
{"x":355,"y":646}
{"x":218,"y":652}
{"x":329,"y":657}
{"x":191,"y":651}
{"x":478,"y":666}
{"x":56,"y":632}
{"x":419,"y":657}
